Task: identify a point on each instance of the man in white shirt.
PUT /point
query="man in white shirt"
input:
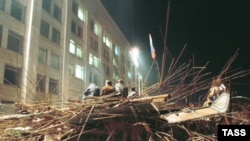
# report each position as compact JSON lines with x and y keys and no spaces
{"x":120,"y":89}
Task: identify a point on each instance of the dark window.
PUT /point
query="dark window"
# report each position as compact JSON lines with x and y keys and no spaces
{"x":44,"y":29}
{"x":96,"y":45}
{"x":92,"y":25}
{"x":1,"y":32}
{"x":74,"y":7}
{"x":12,"y":76}
{"x":106,"y":54}
{"x":128,"y":63}
{"x":73,"y":26}
{"x":80,"y":32}
{"x":57,"y":13}
{"x":71,"y":69}
{"x":15,"y":42}
{"x":40,"y":83}
{"x":46,"y":5}
{"x":77,"y":30}
{"x":106,"y":69}
{"x":56,"y":36}
{"x":2,"y":4}
{"x":54,"y":61}
{"x":96,"y":78}
{"x":122,"y":58}
{"x":42,"y":56}
{"x":16,"y":11}
{"x":93,"y":77}
{"x":123,"y":69}
{"x":53,"y":86}
{"x":90,"y":77}
{"x":91,"y":42}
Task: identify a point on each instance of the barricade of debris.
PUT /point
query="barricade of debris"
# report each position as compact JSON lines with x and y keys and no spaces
{"x":161,"y":112}
{"x":136,"y":119}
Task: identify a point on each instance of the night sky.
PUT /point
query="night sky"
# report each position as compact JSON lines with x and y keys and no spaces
{"x":212,"y":30}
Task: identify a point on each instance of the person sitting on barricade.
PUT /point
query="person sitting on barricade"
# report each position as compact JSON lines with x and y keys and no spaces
{"x":92,"y":90}
{"x":120,"y":89}
{"x":132,"y":93}
{"x":108,"y":88}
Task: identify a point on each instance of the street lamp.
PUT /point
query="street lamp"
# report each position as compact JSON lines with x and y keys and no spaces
{"x":134,"y":52}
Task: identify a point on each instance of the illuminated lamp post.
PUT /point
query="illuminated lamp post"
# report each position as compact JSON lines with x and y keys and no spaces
{"x":134,"y":52}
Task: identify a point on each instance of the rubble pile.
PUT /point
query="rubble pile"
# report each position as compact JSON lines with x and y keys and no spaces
{"x":144,"y":117}
{"x":114,"y":120}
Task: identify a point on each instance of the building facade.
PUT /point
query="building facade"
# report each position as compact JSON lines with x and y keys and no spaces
{"x":51,"y":50}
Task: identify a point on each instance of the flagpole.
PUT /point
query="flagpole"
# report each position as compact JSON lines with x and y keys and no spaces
{"x":165,"y":48}
{"x":146,"y":78}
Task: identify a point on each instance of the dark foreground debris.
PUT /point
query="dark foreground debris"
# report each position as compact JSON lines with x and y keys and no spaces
{"x":135,"y":121}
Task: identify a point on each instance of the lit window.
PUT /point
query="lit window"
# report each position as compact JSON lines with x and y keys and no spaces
{"x":94,"y":26}
{"x":79,"y":71}
{"x":93,"y":60}
{"x":129,"y":75}
{"x":116,"y":50}
{"x":42,"y":55}
{"x":107,"y":41}
{"x":79,"y":51}
{"x":104,"y":38}
{"x":96,"y":61}
{"x":80,"y":14}
{"x":75,"y":49}
{"x":96,"y":29}
{"x":90,"y":59}
{"x":72,"y":47}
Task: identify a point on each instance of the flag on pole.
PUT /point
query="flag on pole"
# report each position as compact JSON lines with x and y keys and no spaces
{"x":153,"y":53}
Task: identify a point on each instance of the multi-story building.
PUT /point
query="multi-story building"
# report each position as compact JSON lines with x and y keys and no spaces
{"x":51,"y":50}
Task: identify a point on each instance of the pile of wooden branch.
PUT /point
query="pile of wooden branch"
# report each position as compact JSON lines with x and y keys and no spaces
{"x":137,"y":119}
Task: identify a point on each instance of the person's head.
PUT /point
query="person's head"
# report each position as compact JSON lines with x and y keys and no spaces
{"x":92,"y":85}
{"x":108,"y":82}
{"x":217,"y":81}
{"x":133,"y":89}
{"x":120,"y":81}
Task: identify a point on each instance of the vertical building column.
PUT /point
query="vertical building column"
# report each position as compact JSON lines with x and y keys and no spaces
{"x":26,"y":53}
{"x":64,"y":75}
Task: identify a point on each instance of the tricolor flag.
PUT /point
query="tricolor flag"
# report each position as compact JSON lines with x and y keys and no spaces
{"x":153,"y":53}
